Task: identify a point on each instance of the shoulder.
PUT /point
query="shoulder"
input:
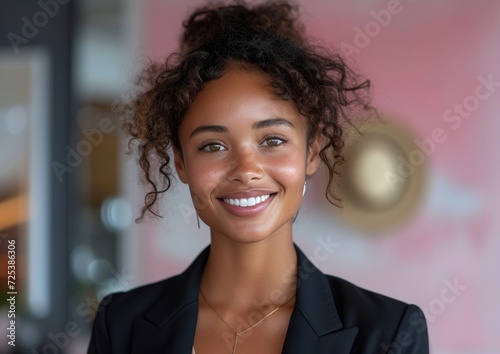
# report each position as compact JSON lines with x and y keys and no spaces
{"x":154,"y":302}
{"x":115,"y":314}
{"x":380,"y":319}
{"x":137,"y":300}
{"x":357,"y":301}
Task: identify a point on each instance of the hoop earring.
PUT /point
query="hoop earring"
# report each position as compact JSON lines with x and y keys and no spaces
{"x":303,"y":193}
{"x":198,"y":220}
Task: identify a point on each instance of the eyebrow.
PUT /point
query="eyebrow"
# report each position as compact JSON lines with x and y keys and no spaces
{"x":209,"y":128}
{"x":266,"y":123}
{"x":261,"y":124}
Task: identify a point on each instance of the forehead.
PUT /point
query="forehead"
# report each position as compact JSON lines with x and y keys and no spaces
{"x":240,"y":92}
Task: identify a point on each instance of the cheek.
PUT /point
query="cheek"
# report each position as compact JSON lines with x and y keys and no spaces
{"x":287,"y":170}
{"x":204,"y":180}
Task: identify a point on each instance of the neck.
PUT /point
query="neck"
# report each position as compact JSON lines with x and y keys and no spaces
{"x":242,"y":276}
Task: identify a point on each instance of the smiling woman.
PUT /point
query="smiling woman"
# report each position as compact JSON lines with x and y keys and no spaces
{"x":250,"y":110}
{"x":234,"y":148}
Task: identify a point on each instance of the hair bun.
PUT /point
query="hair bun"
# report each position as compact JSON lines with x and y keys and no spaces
{"x":209,"y":22}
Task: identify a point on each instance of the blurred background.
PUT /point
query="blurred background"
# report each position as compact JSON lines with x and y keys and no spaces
{"x":69,"y":193}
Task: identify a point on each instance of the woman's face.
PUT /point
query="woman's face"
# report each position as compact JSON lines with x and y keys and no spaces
{"x":245,"y":157}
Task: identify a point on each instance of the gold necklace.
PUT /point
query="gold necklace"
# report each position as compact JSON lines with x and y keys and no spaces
{"x":238,"y":334}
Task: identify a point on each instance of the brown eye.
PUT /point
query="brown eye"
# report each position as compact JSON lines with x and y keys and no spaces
{"x":273,"y":141}
{"x":213,"y":147}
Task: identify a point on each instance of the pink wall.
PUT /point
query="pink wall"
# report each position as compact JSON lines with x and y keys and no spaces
{"x":424,"y":60}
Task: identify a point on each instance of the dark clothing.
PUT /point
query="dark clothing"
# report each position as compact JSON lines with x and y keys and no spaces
{"x":330,"y":316}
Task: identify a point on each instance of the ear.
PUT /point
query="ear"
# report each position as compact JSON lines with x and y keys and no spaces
{"x":313,"y":159}
{"x":180,"y":167}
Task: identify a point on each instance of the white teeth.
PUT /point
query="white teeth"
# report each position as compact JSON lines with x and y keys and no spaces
{"x":244,"y":202}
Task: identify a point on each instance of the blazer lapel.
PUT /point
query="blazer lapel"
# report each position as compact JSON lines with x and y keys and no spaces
{"x":315,"y":326}
{"x":169,"y":326}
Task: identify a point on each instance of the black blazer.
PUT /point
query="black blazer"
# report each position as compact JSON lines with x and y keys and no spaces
{"x":330,"y":316}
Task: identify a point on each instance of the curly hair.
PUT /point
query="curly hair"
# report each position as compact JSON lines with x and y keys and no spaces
{"x":267,"y":37}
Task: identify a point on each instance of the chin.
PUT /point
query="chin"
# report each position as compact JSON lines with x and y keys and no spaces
{"x":253,"y":234}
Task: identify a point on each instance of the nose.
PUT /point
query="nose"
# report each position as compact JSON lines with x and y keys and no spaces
{"x":245,"y":166}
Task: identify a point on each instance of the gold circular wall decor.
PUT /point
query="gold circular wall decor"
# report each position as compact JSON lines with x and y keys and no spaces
{"x":383,"y":176}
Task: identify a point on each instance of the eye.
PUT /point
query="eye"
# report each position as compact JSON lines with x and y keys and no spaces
{"x":212,"y":147}
{"x":274,"y":141}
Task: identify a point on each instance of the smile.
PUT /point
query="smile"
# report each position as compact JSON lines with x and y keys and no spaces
{"x":247,"y":202}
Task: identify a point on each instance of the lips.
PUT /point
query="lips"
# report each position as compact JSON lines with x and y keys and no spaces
{"x":247,"y":202}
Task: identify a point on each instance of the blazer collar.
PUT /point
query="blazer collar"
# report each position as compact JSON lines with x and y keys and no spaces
{"x":169,"y":325}
{"x":315,"y":326}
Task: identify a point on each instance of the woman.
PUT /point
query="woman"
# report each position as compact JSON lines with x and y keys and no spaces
{"x":250,"y":110}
